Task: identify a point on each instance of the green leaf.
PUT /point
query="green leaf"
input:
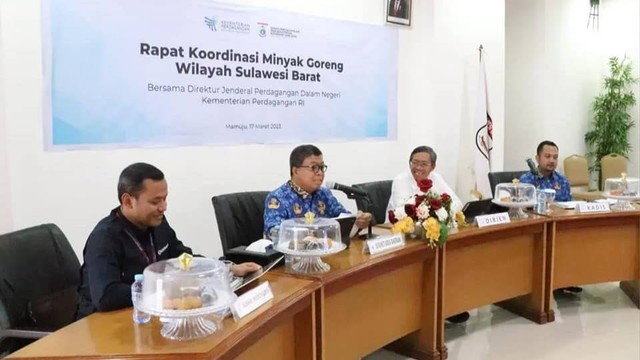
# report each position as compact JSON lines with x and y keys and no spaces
{"x":444,"y":233}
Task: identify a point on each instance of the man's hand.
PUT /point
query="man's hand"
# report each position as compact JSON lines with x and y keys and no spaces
{"x":363,"y":219}
{"x":244,"y":268}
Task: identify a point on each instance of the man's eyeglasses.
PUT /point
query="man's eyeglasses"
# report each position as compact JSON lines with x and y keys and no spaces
{"x":422,"y":164}
{"x":315,"y":168}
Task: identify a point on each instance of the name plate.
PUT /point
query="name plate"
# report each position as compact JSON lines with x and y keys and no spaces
{"x":384,"y":243}
{"x":251,"y":300}
{"x":592,"y":207}
{"x":493,"y":219}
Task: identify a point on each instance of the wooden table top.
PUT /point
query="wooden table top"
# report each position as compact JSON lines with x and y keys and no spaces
{"x":113,"y":334}
{"x":354,"y":264}
{"x":559,"y":214}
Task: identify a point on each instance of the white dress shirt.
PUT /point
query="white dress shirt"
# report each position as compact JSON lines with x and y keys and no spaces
{"x":405,"y":186}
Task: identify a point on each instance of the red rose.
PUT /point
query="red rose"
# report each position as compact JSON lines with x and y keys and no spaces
{"x":435,"y":204}
{"x":392,"y":217}
{"x":420,"y":199}
{"x":425,"y":185}
{"x":410,"y":210}
{"x":445,"y":197}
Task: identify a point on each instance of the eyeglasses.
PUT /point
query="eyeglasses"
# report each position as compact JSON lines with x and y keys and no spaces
{"x":315,"y":168}
{"x":422,"y":164}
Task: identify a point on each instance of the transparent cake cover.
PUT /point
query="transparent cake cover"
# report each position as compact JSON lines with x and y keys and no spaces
{"x":622,"y":187}
{"x":309,"y":236}
{"x":515,"y":194}
{"x":169,"y":289}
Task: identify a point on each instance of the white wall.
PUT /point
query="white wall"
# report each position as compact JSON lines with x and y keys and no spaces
{"x":6,"y":216}
{"x":75,"y":189}
{"x":554,"y":69}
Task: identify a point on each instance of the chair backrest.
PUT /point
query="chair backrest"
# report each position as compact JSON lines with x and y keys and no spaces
{"x":240,"y":217}
{"x":576,"y":169}
{"x":612,"y":165}
{"x":379,"y":194}
{"x":499,"y":177}
{"x":39,"y":277}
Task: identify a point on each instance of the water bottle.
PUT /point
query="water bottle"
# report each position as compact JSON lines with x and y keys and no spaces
{"x":139,"y":317}
{"x":541,"y":202}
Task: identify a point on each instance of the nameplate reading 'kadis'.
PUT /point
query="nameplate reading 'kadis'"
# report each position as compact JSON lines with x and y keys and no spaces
{"x":493,"y":219}
{"x":251,"y":300}
{"x":592,"y":207}
{"x":384,"y":243}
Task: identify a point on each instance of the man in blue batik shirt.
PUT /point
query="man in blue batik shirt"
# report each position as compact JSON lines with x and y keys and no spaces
{"x":549,"y":178}
{"x":303,"y":193}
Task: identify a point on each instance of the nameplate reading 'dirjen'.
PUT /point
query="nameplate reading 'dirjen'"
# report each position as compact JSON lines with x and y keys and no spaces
{"x":493,"y":219}
{"x":592,"y":207}
{"x":384,"y":243}
{"x":251,"y":300}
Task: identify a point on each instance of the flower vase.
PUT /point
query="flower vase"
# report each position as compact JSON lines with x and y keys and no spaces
{"x":418,"y":231}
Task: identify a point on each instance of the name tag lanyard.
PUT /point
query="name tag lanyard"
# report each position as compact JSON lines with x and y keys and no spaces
{"x":141,"y":249}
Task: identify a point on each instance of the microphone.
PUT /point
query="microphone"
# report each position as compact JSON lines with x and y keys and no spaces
{"x":533,"y":168}
{"x":349,"y":190}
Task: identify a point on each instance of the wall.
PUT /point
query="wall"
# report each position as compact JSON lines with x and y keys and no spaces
{"x":6,"y":216}
{"x":554,"y":69}
{"x":75,"y":189}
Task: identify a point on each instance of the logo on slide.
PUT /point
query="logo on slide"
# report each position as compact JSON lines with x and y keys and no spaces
{"x":211,"y":23}
{"x":263,"y":29}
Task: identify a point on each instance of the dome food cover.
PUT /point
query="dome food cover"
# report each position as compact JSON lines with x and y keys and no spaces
{"x":516,"y":196}
{"x":309,"y":238}
{"x":624,"y":189}
{"x":193,"y":294}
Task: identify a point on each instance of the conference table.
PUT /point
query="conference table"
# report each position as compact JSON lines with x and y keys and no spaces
{"x":368,"y":301}
{"x":594,"y":248}
{"x":399,"y":299}
{"x":284,"y":328}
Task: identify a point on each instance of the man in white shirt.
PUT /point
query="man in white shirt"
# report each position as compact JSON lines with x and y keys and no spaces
{"x":422,"y":162}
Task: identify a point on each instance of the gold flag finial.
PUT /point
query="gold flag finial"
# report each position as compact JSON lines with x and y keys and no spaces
{"x":185,"y":261}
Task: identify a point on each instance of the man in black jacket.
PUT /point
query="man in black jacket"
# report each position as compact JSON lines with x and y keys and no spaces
{"x":134,"y":235}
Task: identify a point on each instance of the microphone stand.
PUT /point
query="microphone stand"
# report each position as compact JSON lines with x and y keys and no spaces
{"x":366,"y":204}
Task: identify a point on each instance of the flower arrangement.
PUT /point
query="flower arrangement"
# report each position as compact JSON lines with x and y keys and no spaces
{"x":427,"y":214}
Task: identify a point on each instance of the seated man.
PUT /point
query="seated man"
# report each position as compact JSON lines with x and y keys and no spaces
{"x":303,"y":193}
{"x":422,"y":162}
{"x":134,"y":235}
{"x":548,"y":177}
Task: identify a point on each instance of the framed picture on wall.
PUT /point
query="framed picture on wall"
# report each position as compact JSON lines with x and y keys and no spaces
{"x":399,"y":12}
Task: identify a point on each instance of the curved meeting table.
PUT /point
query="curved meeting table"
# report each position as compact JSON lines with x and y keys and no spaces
{"x":397,"y":299}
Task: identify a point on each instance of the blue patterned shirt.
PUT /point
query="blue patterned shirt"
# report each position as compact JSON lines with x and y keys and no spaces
{"x":557,"y":182}
{"x":289,"y":201}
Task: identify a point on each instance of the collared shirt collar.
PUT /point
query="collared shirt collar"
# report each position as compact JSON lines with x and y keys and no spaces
{"x":140,"y":234}
{"x":298,"y":190}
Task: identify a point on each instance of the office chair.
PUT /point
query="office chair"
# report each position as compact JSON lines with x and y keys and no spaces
{"x":576,"y":169}
{"x":499,"y":177}
{"x":39,"y":278}
{"x":379,"y":194}
{"x":612,"y":165}
{"x":240,"y":217}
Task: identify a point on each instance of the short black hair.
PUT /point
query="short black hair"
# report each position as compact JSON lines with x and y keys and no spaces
{"x":300,"y":153}
{"x":132,"y":177}
{"x":425,"y":149}
{"x":543,"y":144}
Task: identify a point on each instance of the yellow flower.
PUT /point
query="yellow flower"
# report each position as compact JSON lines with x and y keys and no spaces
{"x":403,"y":226}
{"x":432,"y":226}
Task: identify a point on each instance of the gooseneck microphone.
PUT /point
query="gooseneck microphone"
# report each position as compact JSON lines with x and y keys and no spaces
{"x":345,"y":189}
{"x":533,"y":168}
